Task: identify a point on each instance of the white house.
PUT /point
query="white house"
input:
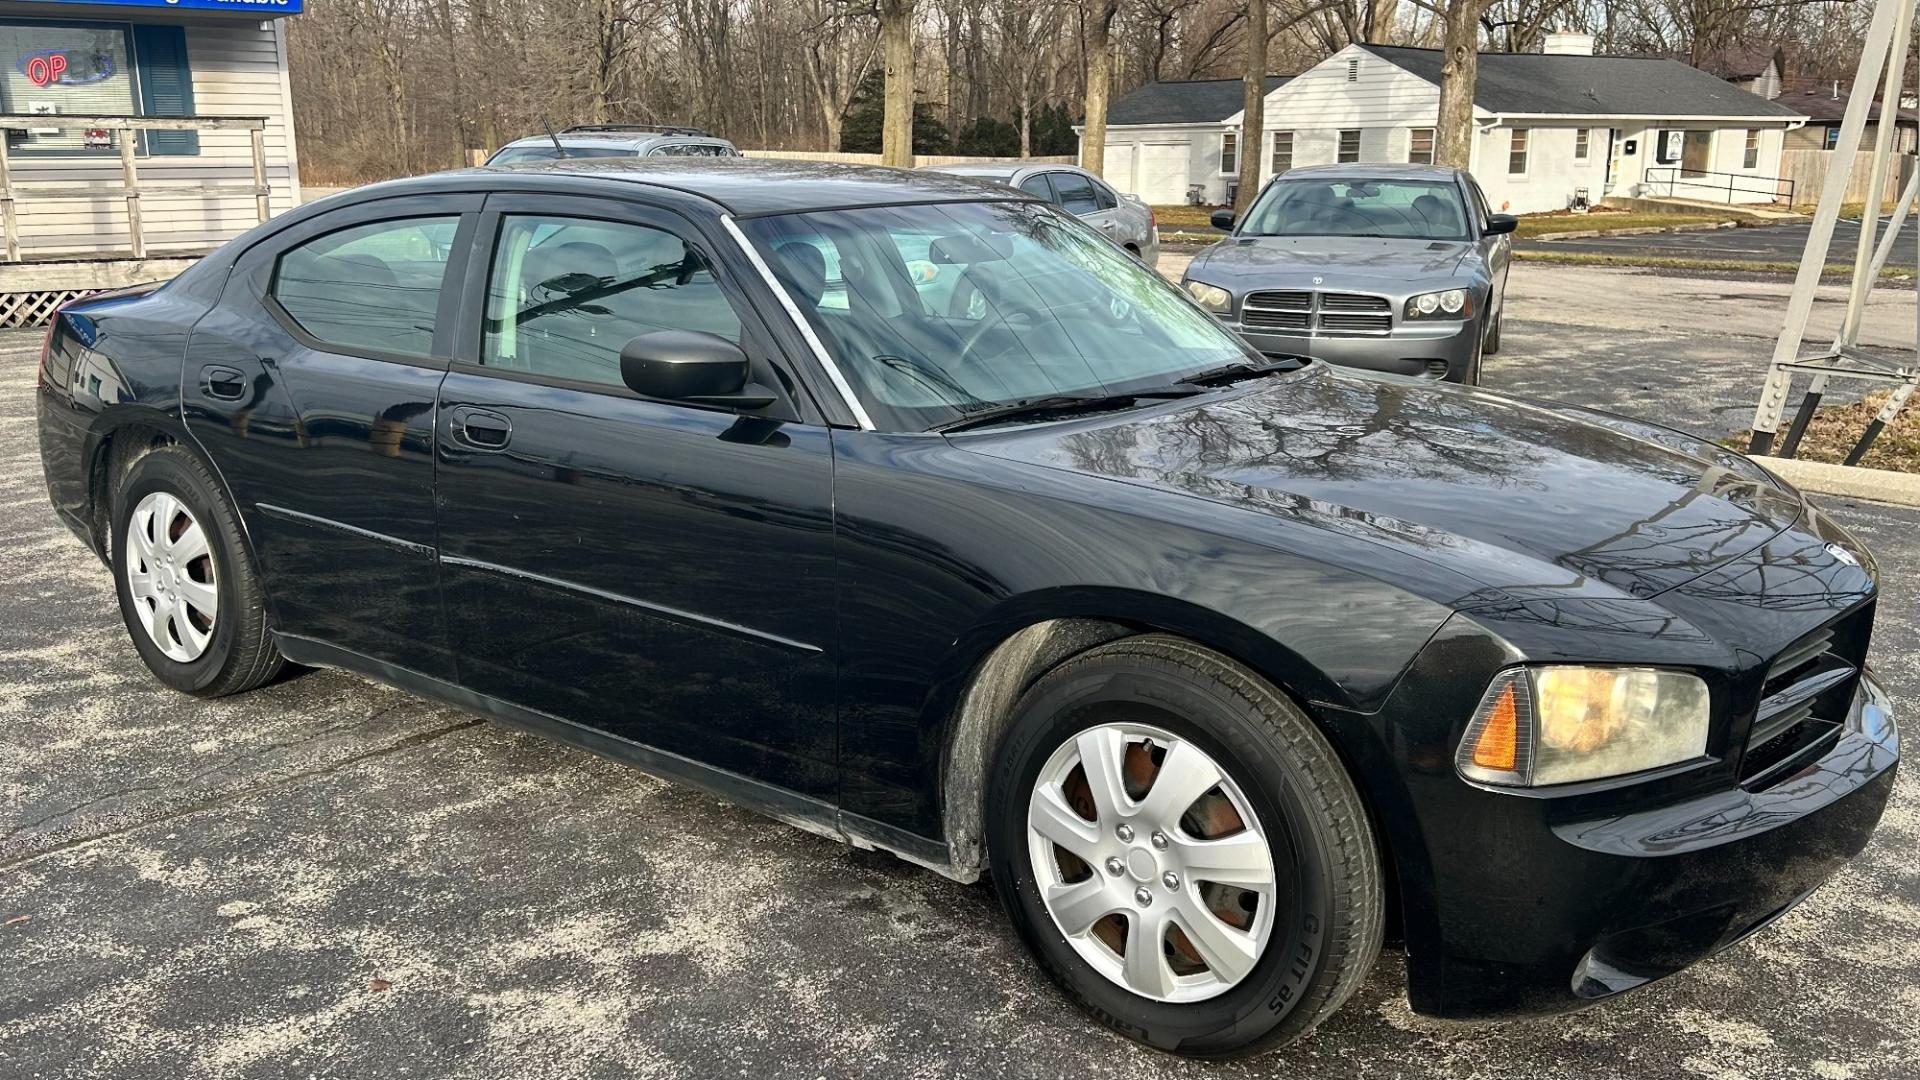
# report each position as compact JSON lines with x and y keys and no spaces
{"x":1168,"y":142}
{"x":1550,"y":128}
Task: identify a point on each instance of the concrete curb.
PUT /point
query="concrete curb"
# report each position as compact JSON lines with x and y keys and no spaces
{"x":1879,"y":485}
{"x":1638,"y":230}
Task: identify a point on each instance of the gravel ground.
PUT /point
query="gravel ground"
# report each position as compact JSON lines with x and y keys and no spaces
{"x":329,"y":879}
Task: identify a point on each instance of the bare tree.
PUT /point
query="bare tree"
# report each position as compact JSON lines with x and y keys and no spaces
{"x":1096,"y":36}
{"x":896,"y":42}
{"x":1253,"y":95}
{"x":1460,"y":41}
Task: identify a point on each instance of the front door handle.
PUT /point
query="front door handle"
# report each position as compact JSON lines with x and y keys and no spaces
{"x":223,"y":383}
{"x":479,"y":429}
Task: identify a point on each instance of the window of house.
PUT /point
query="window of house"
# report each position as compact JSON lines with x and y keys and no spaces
{"x":1349,"y":145}
{"x":1833,"y":137}
{"x":94,"y":69}
{"x":1751,"y":159}
{"x":371,"y":288}
{"x":1229,"y":157}
{"x":1582,"y":144}
{"x":1517,"y":153}
{"x":1420,"y":146}
{"x":1282,"y":151}
{"x":565,"y":295}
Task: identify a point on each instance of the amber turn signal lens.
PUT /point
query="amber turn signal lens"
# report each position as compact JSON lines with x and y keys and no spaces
{"x":1498,"y":743}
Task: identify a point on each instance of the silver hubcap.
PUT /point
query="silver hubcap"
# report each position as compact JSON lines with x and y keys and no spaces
{"x":1151,"y":862}
{"x":171,"y":577}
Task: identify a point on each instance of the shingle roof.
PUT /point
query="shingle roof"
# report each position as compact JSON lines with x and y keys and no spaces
{"x":1200,"y":101}
{"x":1823,"y":105}
{"x":1521,"y":83}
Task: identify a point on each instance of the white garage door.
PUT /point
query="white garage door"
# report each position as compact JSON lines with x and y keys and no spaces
{"x":1160,"y":174}
{"x":1119,"y":171}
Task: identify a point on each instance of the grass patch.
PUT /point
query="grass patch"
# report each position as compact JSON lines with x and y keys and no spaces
{"x":1834,"y":429}
{"x":1682,"y":262}
{"x":1185,"y":217}
{"x":1537,"y":225}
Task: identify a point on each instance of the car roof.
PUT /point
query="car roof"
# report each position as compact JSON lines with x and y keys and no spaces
{"x":744,"y":187}
{"x":1376,"y":171}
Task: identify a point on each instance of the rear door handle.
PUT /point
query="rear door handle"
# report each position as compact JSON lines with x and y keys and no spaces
{"x":223,"y":383}
{"x":479,"y":429}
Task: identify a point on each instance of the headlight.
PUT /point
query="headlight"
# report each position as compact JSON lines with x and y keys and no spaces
{"x":1211,"y":297}
{"x":1557,"y":723}
{"x":1451,"y":304}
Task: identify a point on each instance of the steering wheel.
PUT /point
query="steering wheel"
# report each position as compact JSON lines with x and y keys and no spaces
{"x":960,"y":305}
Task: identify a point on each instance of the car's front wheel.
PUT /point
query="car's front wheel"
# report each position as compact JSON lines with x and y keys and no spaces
{"x":188,"y":592}
{"x":1182,"y":850}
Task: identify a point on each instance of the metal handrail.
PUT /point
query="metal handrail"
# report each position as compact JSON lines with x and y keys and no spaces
{"x":1679,"y":176}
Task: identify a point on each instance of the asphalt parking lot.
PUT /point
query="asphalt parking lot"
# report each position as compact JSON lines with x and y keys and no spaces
{"x":326,"y":878}
{"x":1762,"y":243}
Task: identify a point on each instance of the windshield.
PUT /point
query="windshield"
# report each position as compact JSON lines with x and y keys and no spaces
{"x":935,"y":312}
{"x":1400,"y":209}
{"x":546,"y":152}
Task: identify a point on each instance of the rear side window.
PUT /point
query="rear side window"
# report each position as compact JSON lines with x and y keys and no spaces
{"x":1076,"y":193}
{"x":1037,"y":185}
{"x":369,"y":288}
{"x":1104,"y":196}
{"x":566,"y":294}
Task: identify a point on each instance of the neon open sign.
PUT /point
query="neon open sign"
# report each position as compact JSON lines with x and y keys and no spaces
{"x":54,"y":67}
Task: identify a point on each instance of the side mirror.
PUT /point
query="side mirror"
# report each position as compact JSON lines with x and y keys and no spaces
{"x":1223,"y":220}
{"x":1498,"y":224}
{"x":692,"y":366}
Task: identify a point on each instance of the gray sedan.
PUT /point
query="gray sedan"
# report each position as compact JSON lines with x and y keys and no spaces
{"x":1398,"y":268}
{"x":1124,"y":219}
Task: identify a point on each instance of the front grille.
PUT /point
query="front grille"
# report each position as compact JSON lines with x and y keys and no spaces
{"x":1317,"y":312}
{"x":1804,"y":699}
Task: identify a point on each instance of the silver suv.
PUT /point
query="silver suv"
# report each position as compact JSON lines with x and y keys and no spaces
{"x":615,"y":140}
{"x":1124,"y":219}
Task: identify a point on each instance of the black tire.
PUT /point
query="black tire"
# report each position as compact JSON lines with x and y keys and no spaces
{"x":1332,"y":914}
{"x":240,"y":655}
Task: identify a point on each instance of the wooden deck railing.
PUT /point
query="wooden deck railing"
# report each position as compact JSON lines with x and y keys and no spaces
{"x":11,"y":196}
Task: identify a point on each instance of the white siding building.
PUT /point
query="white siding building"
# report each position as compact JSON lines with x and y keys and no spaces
{"x":1551,"y":128}
{"x":143,"y":58}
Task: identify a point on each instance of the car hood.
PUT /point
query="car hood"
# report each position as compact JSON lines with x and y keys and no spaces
{"x":1271,"y":260}
{"x":1507,"y":492}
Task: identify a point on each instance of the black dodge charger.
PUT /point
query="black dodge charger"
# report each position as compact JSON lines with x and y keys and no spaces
{"x":920,"y":516}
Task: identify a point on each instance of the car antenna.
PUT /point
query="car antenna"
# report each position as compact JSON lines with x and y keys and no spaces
{"x":561,"y":150}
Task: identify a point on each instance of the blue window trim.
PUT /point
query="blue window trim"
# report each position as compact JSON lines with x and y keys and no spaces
{"x":134,"y":65}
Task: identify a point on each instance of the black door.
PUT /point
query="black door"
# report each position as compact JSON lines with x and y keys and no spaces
{"x":658,"y":571}
{"x":312,"y":385}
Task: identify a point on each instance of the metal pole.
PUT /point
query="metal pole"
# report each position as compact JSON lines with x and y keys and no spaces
{"x":1873,"y":58}
{"x":1862,"y":284}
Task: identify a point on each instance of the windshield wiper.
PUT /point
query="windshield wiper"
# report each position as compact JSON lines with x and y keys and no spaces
{"x":1060,"y":405}
{"x":1234,"y":372}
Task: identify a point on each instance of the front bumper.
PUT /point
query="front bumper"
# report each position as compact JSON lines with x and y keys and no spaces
{"x":1569,"y":912}
{"x":1439,"y":350}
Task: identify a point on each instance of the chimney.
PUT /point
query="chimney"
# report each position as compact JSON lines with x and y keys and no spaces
{"x":1567,"y":44}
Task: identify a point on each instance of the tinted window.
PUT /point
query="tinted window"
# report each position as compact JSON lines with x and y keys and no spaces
{"x":1037,"y":185}
{"x":1076,"y":193}
{"x":1104,"y":196}
{"x":565,"y":294}
{"x":374,"y":287}
{"x":693,"y":150}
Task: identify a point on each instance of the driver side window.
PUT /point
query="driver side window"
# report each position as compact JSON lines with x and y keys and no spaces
{"x":564,"y":295}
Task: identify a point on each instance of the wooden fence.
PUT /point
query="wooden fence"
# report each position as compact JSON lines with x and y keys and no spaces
{"x":1808,"y":171}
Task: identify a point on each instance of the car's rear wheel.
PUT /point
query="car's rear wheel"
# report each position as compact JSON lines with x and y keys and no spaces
{"x":1182,"y":850}
{"x":188,"y":593}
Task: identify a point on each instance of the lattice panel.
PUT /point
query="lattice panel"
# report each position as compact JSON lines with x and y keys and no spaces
{"x":35,"y":308}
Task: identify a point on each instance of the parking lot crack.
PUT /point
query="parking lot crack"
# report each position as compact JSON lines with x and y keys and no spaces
{"x":231,"y":797}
